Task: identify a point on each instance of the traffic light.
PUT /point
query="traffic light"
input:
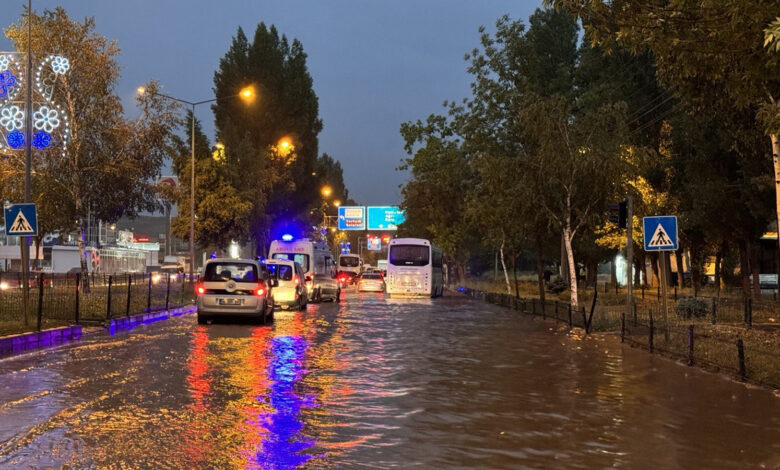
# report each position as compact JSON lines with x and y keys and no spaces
{"x":618,"y":213}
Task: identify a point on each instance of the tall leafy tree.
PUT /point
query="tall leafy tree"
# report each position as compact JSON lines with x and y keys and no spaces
{"x":280,"y":185}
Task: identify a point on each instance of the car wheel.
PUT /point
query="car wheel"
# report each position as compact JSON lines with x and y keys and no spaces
{"x":338,"y":296}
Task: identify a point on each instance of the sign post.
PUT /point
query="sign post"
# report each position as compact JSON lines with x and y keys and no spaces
{"x":660,"y":234}
{"x":22,"y":220}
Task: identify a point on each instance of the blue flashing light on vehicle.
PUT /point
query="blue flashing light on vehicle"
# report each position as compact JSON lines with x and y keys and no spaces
{"x":287,"y":237}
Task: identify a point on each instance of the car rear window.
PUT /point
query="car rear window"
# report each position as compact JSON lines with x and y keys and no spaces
{"x":284,"y":272}
{"x":226,"y":271}
{"x":371,"y":276}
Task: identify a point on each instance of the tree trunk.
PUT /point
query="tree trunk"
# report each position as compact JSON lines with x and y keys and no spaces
{"x":592,"y":274}
{"x":695,"y":267}
{"x":567,"y":239}
{"x":539,"y":268}
{"x":514,"y":275}
{"x":503,"y":266}
{"x":656,"y":270}
{"x":639,"y":263}
{"x":718,"y":261}
{"x":754,"y":269}
{"x":613,"y":272}
{"x":744,"y":268}
{"x":37,"y":262}
{"x":461,"y":270}
{"x":564,"y":265}
{"x":776,"y":161}
{"x":678,"y":260}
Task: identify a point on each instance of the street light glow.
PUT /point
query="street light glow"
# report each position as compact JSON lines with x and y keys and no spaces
{"x":247,"y":94}
{"x":337,"y":203}
{"x":141,"y":90}
{"x":326,"y":190}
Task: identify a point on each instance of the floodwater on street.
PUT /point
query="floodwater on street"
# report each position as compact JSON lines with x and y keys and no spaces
{"x":374,"y":383}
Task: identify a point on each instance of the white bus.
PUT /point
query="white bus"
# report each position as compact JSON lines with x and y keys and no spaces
{"x":314,"y":257}
{"x":351,"y":264}
{"x":414,"y":268}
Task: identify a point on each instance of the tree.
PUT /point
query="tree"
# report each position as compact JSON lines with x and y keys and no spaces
{"x":711,"y":53}
{"x":110,"y":164}
{"x":575,"y":164}
{"x":435,"y":198}
{"x":280,"y":185}
{"x":222,"y":213}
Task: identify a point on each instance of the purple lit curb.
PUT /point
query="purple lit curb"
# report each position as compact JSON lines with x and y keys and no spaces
{"x":25,"y":342}
{"x":16,"y":344}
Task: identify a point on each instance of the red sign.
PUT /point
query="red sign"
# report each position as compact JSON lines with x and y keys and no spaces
{"x":141,"y":239}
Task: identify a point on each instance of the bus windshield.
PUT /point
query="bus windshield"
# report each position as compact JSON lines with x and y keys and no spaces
{"x":409,"y":255}
{"x":299,"y":258}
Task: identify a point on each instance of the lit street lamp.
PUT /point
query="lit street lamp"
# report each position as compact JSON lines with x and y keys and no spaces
{"x":247,"y":94}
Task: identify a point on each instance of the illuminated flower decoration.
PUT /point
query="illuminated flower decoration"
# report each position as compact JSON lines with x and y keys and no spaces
{"x":41,"y":140}
{"x":11,"y":118}
{"x":46,"y":119}
{"x":60,"y":65}
{"x":6,"y":81}
{"x":15,"y":139}
{"x":4,"y":62}
{"x":47,"y":85}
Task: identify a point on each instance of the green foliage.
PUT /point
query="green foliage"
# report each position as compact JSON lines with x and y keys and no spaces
{"x":557,"y":285}
{"x":279,"y":185}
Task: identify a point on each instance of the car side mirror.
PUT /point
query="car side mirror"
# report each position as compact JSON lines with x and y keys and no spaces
{"x":274,"y":283}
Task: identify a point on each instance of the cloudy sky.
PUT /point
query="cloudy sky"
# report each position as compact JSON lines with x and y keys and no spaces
{"x":375,"y":64}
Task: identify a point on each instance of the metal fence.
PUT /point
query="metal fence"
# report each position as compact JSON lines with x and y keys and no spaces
{"x":746,"y":352}
{"x":57,"y":300}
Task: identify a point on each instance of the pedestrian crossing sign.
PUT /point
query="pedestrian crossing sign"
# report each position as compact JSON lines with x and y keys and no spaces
{"x":21,"y":220}
{"x":660,"y":233}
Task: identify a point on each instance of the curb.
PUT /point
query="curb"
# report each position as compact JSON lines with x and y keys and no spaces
{"x":129,"y":323}
{"x":25,"y":342}
{"x":17,"y":344}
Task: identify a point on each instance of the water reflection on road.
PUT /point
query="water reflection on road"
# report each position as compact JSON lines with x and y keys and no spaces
{"x":379,"y":383}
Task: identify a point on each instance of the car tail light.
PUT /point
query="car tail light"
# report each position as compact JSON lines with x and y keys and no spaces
{"x":297,"y":281}
{"x":260,"y":290}
{"x":200,"y":289}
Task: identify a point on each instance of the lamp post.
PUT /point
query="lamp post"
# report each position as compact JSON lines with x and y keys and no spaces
{"x":246,"y":94}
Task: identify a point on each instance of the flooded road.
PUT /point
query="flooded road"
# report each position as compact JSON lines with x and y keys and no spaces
{"x":374,"y":383}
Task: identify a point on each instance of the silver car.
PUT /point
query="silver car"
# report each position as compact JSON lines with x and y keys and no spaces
{"x":370,"y":282}
{"x":326,"y":288}
{"x":235,"y":287}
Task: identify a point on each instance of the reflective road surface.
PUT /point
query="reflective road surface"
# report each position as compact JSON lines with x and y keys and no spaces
{"x":374,"y":383}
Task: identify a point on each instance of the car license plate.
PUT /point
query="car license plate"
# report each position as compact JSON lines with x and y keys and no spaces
{"x":230,"y":301}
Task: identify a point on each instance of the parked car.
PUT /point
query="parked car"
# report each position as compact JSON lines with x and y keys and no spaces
{"x":291,"y":289}
{"x":235,"y":287}
{"x":370,"y":282}
{"x":325,"y":287}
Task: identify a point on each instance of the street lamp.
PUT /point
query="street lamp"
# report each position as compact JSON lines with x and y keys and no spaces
{"x":326,"y":191}
{"x":247,"y":94}
{"x":337,"y":203}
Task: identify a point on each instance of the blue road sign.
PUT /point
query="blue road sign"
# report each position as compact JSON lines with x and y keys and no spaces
{"x":384,"y":217}
{"x":374,"y":243}
{"x":352,"y":218}
{"x":660,"y":233}
{"x":21,"y":220}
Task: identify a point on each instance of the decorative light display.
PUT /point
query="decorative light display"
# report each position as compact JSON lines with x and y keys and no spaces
{"x":41,"y":140}
{"x":46,"y":119}
{"x":11,"y":118}
{"x":49,"y":119}
{"x":60,"y":65}
{"x":15,"y":139}
{"x":7,"y":81}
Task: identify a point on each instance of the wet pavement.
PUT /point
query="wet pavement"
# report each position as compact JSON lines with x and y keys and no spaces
{"x":374,"y":383}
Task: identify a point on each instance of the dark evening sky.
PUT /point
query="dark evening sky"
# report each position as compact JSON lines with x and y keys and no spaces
{"x":374,"y":64}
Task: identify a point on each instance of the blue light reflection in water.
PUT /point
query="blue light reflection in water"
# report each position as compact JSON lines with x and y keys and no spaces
{"x":284,"y":443}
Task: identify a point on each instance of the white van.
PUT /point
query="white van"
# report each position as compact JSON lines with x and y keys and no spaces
{"x":314,"y":257}
{"x":350,"y":265}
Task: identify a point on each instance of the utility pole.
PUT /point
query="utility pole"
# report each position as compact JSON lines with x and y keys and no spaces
{"x":25,"y":241}
{"x":629,"y":254}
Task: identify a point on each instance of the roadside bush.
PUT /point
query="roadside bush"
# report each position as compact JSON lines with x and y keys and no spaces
{"x":691,"y":307}
{"x":557,"y":285}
